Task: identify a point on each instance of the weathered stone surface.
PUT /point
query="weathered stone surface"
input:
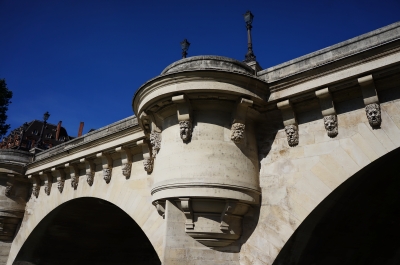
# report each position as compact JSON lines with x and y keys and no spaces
{"x":206,"y":189}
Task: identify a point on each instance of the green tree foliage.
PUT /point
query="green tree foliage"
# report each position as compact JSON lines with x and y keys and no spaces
{"x":5,"y":96}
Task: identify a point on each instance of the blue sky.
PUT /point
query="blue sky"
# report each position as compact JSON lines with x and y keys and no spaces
{"x":82,"y":60}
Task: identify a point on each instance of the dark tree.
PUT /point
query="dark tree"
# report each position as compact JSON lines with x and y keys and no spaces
{"x":5,"y":96}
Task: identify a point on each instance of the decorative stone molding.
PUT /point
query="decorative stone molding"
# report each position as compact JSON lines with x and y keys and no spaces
{"x":290,"y":123}
{"x":213,"y":222}
{"x":48,"y":179}
{"x":155,"y":141}
{"x":184,"y":114}
{"x":107,"y":164}
{"x":35,"y":185}
{"x":371,"y":101}
{"x":239,"y":120}
{"x":90,"y":170}
{"x":237,"y":132}
{"x":60,"y":175}
{"x":185,"y":205}
{"x":145,"y":122}
{"x":126,"y":160}
{"x":74,"y":173}
{"x":328,"y":111}
{"x":148,"y":160}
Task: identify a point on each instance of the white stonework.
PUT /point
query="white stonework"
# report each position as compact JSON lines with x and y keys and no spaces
{"x":245,"y":159}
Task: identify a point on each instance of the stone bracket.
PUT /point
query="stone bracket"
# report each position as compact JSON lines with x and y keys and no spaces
{"x":290,"y":123}
{"x":35,"y":184}
{"x":185,"y":116}
{"x":183,"y":107}
{"x":148,"y":160}
{"x":74,"y":173}
{"x":371,"y":101}
{"x":226,"y":214}
{"x":60,"y":176}
{"x":368,"y":90}
{"x":288,"y":115}
{"x":239,"y":115}
{"x":186,"y":207}
{"x":90,"y":169}
{"x":48,"y":180}
{"x":326,"y":102}
{"x":148,"y":124}
{"x":328,"y":111}
{"x":126,"y":160}
{"x":239,"y":120}
{"x":107,"y":164}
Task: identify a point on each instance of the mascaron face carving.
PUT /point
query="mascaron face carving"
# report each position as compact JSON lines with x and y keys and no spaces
{"x":126,"y":169}
{"x":148,"y":165}
{"x":374,"y":114}
{"x":292,"y":134}
{"x":237,"y":132}
{"x":107,"y":174}
{"x":90,"y":178}
{"x":60,"y":185}
{"x":35,"y":191}
{"x":47,"y":189}
{"x":8,"y":190}
{"x":331,"y":125}
{"x":74,"y":182}
{"x":155,"y":141}
{"x":185,"y":130}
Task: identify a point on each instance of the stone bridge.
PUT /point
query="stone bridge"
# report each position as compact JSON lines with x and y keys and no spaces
{"x":225,"y":163}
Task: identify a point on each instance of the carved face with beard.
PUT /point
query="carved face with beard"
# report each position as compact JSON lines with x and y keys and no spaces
{"x":373,"y":112}
{"x":60,"y":185}
{"x":331,"y":125}
{"x":292,"y":134}
{"x":237,"y":132}
{"x":148,"y":165}
{"x":185,"y":130}
{"x":126,"y":169}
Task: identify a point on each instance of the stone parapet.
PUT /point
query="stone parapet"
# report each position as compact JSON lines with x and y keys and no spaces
{"x":332,"y":53}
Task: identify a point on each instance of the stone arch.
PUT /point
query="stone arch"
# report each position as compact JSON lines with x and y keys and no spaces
{"x":134,"y":201}
{"x":295,"y":180}
{"x":356,"y":224}
{"x":87,"y":230}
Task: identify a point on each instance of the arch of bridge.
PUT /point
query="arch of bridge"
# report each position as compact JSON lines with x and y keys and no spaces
{"x":295,"y":180}
{"x":131,"y":195}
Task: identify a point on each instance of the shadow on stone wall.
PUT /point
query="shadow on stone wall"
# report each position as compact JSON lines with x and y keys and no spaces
{"x":358,"y":223}
{"x":87,"y":231}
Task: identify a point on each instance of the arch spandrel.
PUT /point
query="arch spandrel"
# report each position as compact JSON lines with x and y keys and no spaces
{"x":121,"y":192}
{"x":295,"y":180}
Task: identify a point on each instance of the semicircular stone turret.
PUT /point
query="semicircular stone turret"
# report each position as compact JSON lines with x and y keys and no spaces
{"x":202,"y":110}
{"x":208,"y":62}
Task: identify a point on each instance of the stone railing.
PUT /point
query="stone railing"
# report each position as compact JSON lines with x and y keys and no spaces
{"x":124,"y":124}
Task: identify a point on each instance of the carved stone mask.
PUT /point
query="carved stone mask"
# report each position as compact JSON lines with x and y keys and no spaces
{"x":237,"y":132}
{"x":148,"y":165}
{"x":185,"y":130}
{"x":331,"y":125}
{"x":126,"y":169}
{"x":155,"y":141}
{"x":292,"y":134}
{"x":373,"y":112}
